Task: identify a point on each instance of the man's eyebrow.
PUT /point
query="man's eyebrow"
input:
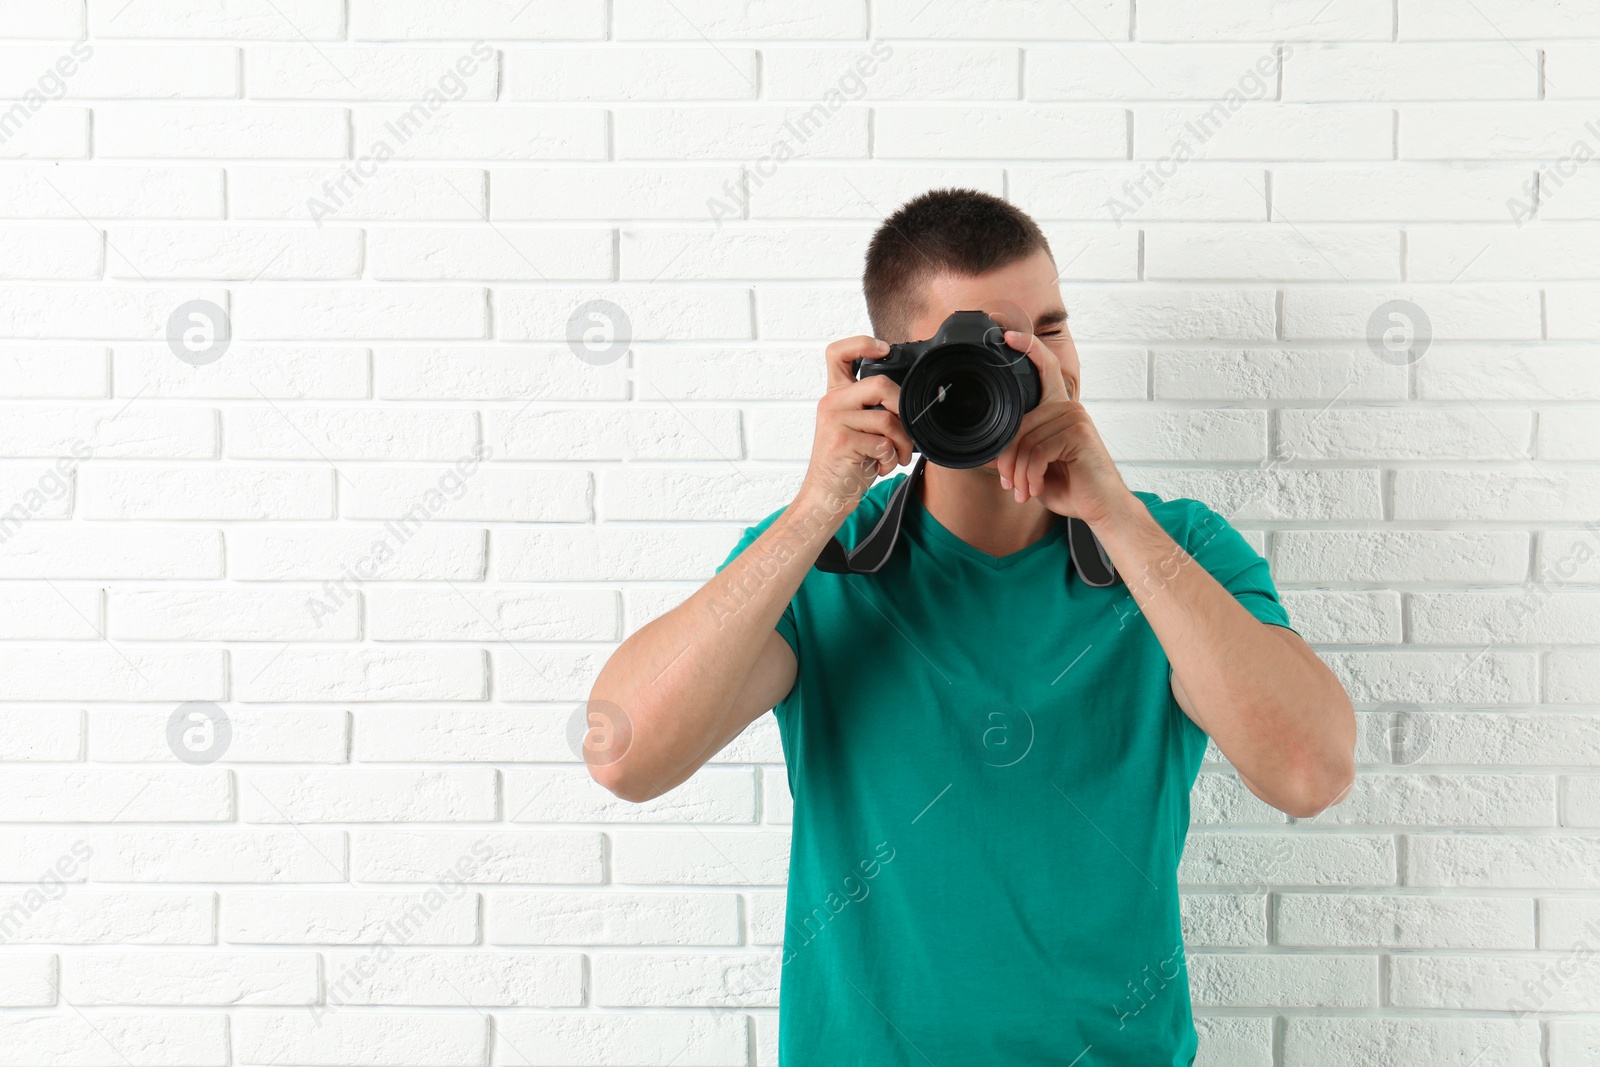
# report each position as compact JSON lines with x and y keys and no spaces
{"x":1054,"y":317}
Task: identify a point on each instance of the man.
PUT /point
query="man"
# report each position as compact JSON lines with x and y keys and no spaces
{"x":990,"y":757}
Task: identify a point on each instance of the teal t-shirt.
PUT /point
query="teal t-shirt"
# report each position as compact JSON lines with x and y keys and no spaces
{"x":991,"y":795}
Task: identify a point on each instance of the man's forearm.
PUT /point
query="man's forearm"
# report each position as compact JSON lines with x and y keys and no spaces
{"x":1274,"y":708}
{"x":674,"y":683}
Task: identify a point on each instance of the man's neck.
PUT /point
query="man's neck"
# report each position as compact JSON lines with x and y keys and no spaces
{"x":972,"y":505}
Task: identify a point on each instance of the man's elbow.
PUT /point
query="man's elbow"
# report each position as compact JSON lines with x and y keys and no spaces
{"x":606,"y":742}
{"x":620,"y":783}
{"x":1318,"y":785}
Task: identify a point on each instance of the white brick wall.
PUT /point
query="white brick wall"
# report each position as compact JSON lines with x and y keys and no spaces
{"x":396,"y":527}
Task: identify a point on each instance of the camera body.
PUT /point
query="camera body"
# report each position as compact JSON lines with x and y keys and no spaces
{"x":963,"y":391}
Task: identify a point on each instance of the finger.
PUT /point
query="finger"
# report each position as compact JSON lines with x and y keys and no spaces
{"x":868,"y":392}
{"x":1053,"y":384}
{"x":884,"y":424}
{"x":841,"y":354}
{"x":1038,"y":450}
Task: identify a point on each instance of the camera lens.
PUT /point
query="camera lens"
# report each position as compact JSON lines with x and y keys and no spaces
{"x":961,"y":406}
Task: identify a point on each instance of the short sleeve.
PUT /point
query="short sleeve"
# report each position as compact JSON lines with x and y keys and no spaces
{"x":1240,"y":569}
{"x":786,"y":622}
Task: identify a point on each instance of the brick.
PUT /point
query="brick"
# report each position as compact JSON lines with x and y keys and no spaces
{"x":129,"y":551}
{"x":361,"y":72}
{"x":380,"y":21}
{"x":1410,"y":433}
{"x":663,"y":313}
{"x":1217,"y":859}
{"x":111,"y":192}
{"x":259,"y":854}
{"x":521,"y":373}
{"x":310,"y":674}
{"x":292,"y":372}
{"x":460,"y":492}
{"x":450,"y":1039}
{"x":1350,"y":1042}
{"x":713,"y":795}
{"x":410,"y":313}
{"x":1502,"y":861}
{"x":37,"y":372}
{"x":1216,"y":20}
{"x":1491,"y":131}
{"x":748,"y":134}
{"x":150,"y":72}
{"x":109,"y":432}
{"x":1409,"y":72}
{"x":64,"y":253}
{"x":513,"y":254}
{"x":104,"y":673}
{"x":47,"y":734}
{"x":832,"y":191}
{"x":885,"y":72}
{"x":76,"y":312}
{"x":373,"y":553}
{"x":1112,"y":193}
{"x":348,"y":433}
{"x":710,"y":19}
{"x":206,"y":493}
{"x":1459,"y":312}
{"x":1150,"y":72}
{"x":349,"y":918}
{"x":1495,"y":494}
{"x":95,"y":917}
{"x":671,"y":857}
{"x":1255,"y":253}
{"x":1412,"y":194}
{"x":731,"y":254}
{"x":1267,"y":132}
{"x":725,"y":980}
{"x":167,"y":1040}
{"x":632,"y":432}
{"x":142,"y":131}
{"x":620,"y":73}
{"x":50,"y":612}
{"x":260,"y":735}
{"x":516,"y":857}
{"x":1312,"y":920}
{"x":1042,"y":131}
{"x":665,"y":192}
{"x":189,"y":979}
{"x":1287,"y":981}
{"x":491,"y":615}
{"x":654,"y":1040}
{"x":235,"y":253}
{"x":359,"y":190}
{"x":422,"y":132}
{"x":370,"y":795}
{"x":608,"y":917}
{"x":1497,"y":20}
{"x":59,"y":133}
{"x":288,"y":20}
{"x":226,"y":615}
{"x":449,"y":979}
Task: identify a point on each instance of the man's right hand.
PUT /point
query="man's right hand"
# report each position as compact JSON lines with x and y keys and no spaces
{"x":854,"y":444}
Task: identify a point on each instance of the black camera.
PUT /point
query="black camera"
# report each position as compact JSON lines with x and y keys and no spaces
{"x":963,"y":391}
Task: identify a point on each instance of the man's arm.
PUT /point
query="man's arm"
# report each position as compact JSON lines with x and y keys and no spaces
{"x":677,"y":691}
{"x":1274,"y":709}
{"x":673,"y":694}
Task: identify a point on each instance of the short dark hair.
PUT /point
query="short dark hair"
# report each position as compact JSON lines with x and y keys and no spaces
{"x":942,"y":231}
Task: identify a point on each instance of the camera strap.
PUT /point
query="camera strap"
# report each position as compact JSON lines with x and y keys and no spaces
{"x":1089,"y":559}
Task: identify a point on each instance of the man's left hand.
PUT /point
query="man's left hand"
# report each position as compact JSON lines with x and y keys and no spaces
{"x":1057,"y":455}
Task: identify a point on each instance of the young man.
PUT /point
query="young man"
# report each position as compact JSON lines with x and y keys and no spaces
{"x":990,"y":757}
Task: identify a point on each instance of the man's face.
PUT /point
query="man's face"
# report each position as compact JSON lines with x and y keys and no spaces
{"x":1030,"y":284}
